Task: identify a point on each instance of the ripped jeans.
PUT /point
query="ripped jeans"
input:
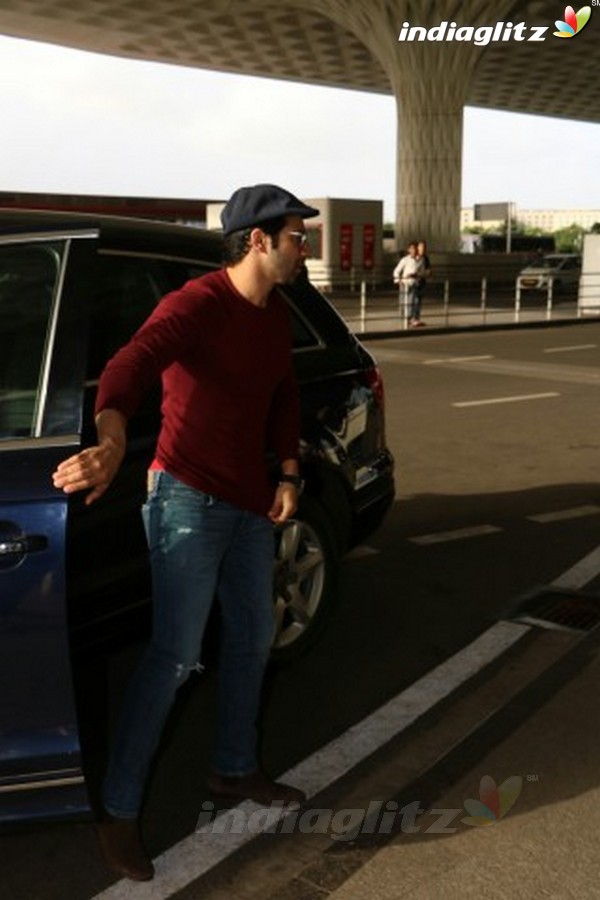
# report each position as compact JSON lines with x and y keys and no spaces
{"x":200,"y":548}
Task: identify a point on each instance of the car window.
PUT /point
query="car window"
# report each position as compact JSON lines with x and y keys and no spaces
{"x":29,"y":277}
{"x":315,"y":322}
{"x":302,"y":335}
{"x":127,"y":290}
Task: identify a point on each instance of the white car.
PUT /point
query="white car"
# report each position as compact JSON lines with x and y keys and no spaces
{"x":564,"y":269}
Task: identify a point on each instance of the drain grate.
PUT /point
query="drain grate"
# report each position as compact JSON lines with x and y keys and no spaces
{"x":561,"y":610}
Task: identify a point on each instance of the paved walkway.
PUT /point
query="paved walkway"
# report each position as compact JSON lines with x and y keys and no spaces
{"x":528,"y":724}
{"x":547,"y":846}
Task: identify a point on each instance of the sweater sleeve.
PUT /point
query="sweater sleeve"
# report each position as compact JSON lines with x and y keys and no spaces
{"x":164,"y":337}
{"x":283,"y":429}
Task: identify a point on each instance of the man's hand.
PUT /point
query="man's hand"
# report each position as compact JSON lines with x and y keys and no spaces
{"x":95,"y":467}
{"x":285,"y":504}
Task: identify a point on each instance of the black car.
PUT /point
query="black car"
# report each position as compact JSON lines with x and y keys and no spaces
{"x":73,"y":289}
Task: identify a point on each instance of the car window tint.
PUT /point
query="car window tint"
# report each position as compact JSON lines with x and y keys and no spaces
{"x":29,"y":275}
{"x":302,"y":335}
{"x":180,"y":272}
{"x":127,"y":290}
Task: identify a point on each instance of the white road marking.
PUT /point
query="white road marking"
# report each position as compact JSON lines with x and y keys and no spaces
{"x":361,"y":551}
{"x":197,"y":854}
{"x":455,"y":359}
{"x":538,"y":370}
{"x":563,"y":515}
{"x":457,"y":534}
{"x":514,"y":399}
{"x":580,"y":574}
{"x":568,"y":349}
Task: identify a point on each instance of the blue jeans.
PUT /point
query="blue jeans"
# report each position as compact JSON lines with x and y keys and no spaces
{"x":413,"y":298}
{"x":200,"y":548}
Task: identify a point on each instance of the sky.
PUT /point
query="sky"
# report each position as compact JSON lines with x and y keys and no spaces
{"x":93,"y":124}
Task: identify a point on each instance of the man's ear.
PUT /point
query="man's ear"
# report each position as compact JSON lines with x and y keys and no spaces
{"x":258,"y":240}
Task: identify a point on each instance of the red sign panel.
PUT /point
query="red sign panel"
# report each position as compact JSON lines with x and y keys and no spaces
{"x":346,"y":247}
{"x":368,"y":246}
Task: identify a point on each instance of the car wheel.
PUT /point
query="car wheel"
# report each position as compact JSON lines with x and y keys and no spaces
{"x":305,"y":580}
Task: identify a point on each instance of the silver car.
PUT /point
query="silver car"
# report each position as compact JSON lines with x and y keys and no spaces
{"x":559,"y":270}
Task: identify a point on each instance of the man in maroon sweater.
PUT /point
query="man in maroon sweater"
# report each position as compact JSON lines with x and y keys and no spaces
{"x":222,"y":347}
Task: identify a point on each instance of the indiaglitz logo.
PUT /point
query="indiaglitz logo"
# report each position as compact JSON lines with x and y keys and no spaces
{"x":380,"y":817}
{"x":501,"y":32}
{"x":481,"y":36}
{"x":574,"y":22}
{"x":494,"y":802}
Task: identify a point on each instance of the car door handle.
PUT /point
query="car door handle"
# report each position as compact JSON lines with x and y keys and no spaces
{"x":28,"y":543}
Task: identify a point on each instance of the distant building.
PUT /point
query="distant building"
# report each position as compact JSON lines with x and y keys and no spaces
{"x":554,"y":219}
{"x":542,"y":219}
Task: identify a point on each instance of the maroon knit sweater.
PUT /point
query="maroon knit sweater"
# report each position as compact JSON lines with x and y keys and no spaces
{"x":229,"y":393}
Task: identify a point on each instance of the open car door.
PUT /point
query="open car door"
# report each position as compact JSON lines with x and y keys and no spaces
{"x":42,"y":348}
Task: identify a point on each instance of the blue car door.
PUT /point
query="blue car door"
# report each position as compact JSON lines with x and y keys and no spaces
{"x":42,"y":329}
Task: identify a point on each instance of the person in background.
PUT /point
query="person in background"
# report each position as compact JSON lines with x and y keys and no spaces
{"x":407,"y":273}
{"x":423,"y":278}
{"x":221,"y":345}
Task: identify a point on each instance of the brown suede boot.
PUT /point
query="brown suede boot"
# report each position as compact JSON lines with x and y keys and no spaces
{"x":122,"y":848}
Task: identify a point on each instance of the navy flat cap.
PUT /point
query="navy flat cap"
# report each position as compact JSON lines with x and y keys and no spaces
{"x":251,"y":206}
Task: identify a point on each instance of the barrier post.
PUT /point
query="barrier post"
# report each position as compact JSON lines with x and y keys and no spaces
{"x":446,"y":302}
{"x":549,"y":300}
{"x":363,"y":305}
{"x":403,"y":304}
{"x":484,"y":299}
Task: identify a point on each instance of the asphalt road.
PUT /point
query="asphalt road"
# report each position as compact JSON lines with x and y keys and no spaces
{"x":496,"y":436}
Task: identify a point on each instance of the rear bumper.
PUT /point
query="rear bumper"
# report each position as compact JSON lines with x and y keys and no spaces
{"x":371,"y":503}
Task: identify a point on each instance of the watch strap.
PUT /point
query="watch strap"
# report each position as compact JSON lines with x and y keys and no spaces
{"x":296,"y":480}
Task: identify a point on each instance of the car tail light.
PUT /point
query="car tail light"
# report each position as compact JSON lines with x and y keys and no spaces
{"x":375,"y":382}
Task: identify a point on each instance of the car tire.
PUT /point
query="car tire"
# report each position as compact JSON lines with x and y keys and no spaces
{"x":305,"y":584}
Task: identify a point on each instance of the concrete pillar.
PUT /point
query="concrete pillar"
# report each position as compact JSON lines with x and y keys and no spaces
{"x":430,"y":89}
{"x":428,"y":176}
{"x":430,"y":80}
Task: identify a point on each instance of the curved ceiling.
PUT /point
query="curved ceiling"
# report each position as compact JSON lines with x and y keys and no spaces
{"x":555,"y":78}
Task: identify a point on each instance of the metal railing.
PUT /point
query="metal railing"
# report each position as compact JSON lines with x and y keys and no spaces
{"x":450,"y":303}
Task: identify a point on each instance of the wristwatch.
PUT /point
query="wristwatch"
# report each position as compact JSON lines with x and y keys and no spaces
{"x":296,"y":480}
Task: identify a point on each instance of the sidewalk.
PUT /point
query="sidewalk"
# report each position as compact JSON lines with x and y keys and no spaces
{"x":529,"y":722}
{"x":547,"y":846}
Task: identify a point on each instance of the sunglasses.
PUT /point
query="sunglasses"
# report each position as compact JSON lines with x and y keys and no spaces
{"x":300,"y":237}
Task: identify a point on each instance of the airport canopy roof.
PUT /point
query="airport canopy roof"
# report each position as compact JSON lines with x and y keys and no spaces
{"x":318,"y":42}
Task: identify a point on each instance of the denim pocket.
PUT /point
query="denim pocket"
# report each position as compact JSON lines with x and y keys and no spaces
{"x":152,"y":481}
{"x":173,"y":491}
{"x":153,"y":484}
